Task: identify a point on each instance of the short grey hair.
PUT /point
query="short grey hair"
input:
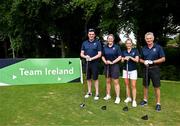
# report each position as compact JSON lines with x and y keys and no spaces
{"x":149,"y":33}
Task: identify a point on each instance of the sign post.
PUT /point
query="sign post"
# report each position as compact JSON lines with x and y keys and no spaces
{"x":40,"y":71}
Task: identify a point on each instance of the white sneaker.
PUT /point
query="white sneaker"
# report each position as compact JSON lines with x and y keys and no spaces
{"x":96,"y":97}
{"x":134,"y":104}
{"x":117,"y":101}
{"x":128,"y":99}
{"x":107,"y":97}
{"x":88,"y":95}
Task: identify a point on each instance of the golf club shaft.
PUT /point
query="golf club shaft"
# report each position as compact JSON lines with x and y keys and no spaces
{"x":127,"y":69}
{"x":107,"y":75}
{"x":87,"y":63}
{"x":85,"y":80}
{"x":147,"y":77}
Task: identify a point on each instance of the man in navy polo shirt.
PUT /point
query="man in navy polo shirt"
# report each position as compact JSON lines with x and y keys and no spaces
{"x":91,"y":51}
{"x":111,"y":56}
{"x":152,"y":56}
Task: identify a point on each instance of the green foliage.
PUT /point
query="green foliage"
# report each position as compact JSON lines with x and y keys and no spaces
{"x":89,"y":7}
{"x":172,"y":54}
{"x":178,"y":39}
{"x":110,"y":20}
{"x":175,"y":42}
{"x":170,"y":69}
{"x":169,"y":72}
{"x":155,"y":16}
{"x":34,"y":22}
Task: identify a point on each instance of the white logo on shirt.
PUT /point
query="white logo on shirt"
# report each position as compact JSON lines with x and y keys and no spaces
{"x":113,"y":48}
{"x":154,"y":50}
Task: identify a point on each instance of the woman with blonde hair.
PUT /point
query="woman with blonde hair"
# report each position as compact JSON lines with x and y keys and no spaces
{"x":130,"y":57}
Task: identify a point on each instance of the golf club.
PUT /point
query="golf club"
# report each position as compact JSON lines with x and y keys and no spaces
{"x":147,"y":79}
{"x":107,"y":75}
{"x":145,"y":117}
{"x":82,"y":105}
{"x":126,"y":107}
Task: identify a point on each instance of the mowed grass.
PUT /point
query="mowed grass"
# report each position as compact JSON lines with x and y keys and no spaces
{"x":59,"y":104}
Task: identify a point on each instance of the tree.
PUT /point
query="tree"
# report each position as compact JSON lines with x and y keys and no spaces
{"x":154,"y":16}
{"x":53,"y":28}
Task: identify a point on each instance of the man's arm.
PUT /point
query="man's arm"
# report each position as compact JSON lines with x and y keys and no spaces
{"x":141,"y":60}
{"x":160,"y":60}
{"x":96,"y":56}
{"x":82,"y":54}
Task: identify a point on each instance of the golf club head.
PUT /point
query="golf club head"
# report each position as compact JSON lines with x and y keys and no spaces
{"x":125,"y":109}
{"x":145,"y":117}
{"x":82,"y":105}
{"x":103,"y":107}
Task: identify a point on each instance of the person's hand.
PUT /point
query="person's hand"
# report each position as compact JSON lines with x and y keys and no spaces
{"x":127,"y":58}
{"x":146,"y":62}
{"x":109,"y":62}
{"x":88,"y":58}
{"x":106,"y":62}
{"x":150,"y":62}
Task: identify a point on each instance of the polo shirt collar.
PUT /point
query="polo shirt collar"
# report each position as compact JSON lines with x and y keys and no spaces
{"x":92,"y":41}
{"x":154,"y":45}
{"x":111,"y":46}
{"x":130,"y":51}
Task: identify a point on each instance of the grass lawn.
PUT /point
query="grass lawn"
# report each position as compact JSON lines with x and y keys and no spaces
{"x":58,"y":104}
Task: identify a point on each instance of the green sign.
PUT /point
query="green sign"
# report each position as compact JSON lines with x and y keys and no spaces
{"x":40,"y":71}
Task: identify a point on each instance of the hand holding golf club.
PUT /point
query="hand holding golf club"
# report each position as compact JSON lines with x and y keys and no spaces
{"x":148,"y":62}
{"x":127,"y":58}
{"x":109,"y":62}
{"x":82,"y":105}
{"x":88,"y":58}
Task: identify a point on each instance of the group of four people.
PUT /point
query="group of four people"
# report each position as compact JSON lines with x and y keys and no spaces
{"x":151,"y":56}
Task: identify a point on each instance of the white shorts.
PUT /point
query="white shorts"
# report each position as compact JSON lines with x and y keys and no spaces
{"x":131,"y":74}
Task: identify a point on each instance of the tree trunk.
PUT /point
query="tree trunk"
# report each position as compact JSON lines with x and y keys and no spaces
{"x":12,"y":47}
{"x":63,"y":53}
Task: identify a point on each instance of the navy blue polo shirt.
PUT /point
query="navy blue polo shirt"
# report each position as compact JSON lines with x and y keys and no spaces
{"x":91,"y":48}
{"x":111,"y":53}
{"x":153,"y":53}
{"x":131,"y":64}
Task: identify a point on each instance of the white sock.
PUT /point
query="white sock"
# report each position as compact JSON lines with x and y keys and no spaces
{"x":108,"y":95}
